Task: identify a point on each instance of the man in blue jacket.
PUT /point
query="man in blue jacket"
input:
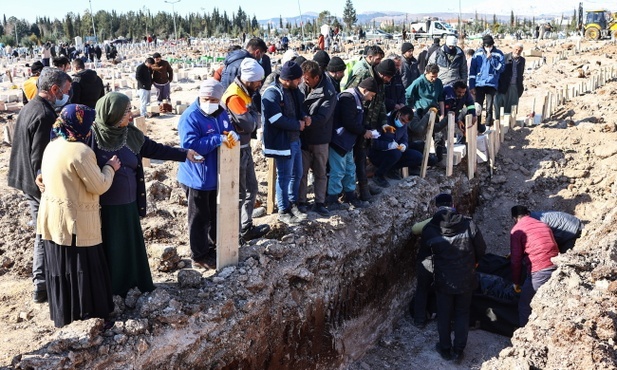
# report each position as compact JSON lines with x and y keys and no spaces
{"x":255,"y":48}
{"x":390,"y":152}
{"x":283,"y":118}
{"x":487,"y":64}
{"x":203,"y":127}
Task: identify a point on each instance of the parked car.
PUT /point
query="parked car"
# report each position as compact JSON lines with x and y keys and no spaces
{"x":378,"y":34}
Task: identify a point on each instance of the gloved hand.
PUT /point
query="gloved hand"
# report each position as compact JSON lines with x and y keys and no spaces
{"x":388,"y":128}
{"x":231,"y":138}
{"x":402,"y":147}
{"x":393,"y":145}
{"x":516,"y":287}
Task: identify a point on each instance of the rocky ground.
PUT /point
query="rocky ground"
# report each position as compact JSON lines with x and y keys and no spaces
{"x":567,"y":164}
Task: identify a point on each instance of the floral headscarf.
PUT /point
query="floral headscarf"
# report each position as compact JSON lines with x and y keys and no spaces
{"x":74,"y":123}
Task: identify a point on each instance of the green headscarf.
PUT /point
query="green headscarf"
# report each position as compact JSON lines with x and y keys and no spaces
{"x":109,"y":112}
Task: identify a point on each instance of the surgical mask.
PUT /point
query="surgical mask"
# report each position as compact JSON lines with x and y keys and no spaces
{"x":61,"y":102}
{"x":398,"y":123}
{"x":208,"y":108}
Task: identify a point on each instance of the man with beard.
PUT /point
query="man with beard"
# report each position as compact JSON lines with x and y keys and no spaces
{"x":510,"y":86}
{"x":245,"y":118}
{"x":451,"y":61}
{"x":335,"y":72}
{"x":364,"y":68}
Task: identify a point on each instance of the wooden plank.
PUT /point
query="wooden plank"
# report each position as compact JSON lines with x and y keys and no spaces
{"x":490,"y":144}
{"x":227,"y":210}
{"x":271,"y":178}
{"x":472,"y":137}
{"x":427,"y":143}
{"x":405,"y":172}
{"x":497,"y":128}
{"x":140,"y":123}
{"x":505,"y":126}
{"x":450,"y":144}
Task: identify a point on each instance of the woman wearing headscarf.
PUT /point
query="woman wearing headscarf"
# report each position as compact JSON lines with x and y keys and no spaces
{"x":78,"y":284}
{"x":125,"y":201}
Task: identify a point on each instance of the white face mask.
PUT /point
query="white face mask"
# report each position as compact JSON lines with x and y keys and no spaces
{"x":208,"y":107}
{"x":64,"y":100}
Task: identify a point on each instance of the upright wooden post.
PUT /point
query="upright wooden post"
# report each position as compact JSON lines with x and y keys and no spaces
{"x":505,"y":126}
{"x":472,"y":138}
{"x":490,"y":144}
{"x":227,"y":210}
{"x":427,"y":143}
{"x":140,"y":123}
{"x":450,"y":144}
{"x":271,"y":178}
{"x":497,"y":127}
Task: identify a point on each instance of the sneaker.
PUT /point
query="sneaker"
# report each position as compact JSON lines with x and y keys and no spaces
{"x":381,"y":181}
{"x":298,"y":213}
{"x":254,"y":232}
{"x":289,"y":219}
{"x":202,"y":264}
{"x":320,"y":209}
{"x":39,"y":296}
{"x":259,"y":212}
{"x":445,"y":354}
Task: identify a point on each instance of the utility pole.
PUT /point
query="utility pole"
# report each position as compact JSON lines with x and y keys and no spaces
{"x":173,"y":10}
{"x":92,"y":16}
{"x":301,"y":21}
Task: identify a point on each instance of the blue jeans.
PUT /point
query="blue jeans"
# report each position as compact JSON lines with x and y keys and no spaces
{"x":342,"y":173}
{"x":144,"y":97}
{"x":394,"y":159}
{"x":288,"y":176}
{"x":532,"y":283}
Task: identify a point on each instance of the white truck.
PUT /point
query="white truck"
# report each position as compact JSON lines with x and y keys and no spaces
{"x":431,"y":29}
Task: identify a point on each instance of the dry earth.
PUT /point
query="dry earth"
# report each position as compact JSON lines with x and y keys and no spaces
{"x":566,"y":163}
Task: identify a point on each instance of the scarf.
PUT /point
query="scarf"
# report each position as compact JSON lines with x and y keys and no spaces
{"x":74,"y":123}
{"x":109,"y":112}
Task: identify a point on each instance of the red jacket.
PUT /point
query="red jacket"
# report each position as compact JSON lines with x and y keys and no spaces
{"x":532,"y":243}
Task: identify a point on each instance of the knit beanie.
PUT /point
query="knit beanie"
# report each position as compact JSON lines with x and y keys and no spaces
{"x":322,"y":58}
{"x":291,"y":71}
{"x":336,"y":64}
{"x":251,"y":70}
{"x":406,"y":47}
{"x":488,"y":40}
{"x":369,"y":84}
{"x":443,"y":200}
{"x":386,"y":67}
{"x":211,"y":88}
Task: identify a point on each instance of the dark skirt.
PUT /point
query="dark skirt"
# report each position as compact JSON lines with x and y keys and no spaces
{"x":124,"y":245}
{"x":78,"y":284}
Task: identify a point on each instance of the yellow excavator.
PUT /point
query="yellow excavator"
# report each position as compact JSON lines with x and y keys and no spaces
{"x":600,"y":24}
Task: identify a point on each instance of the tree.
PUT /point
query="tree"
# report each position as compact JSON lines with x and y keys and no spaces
{"x":511,"y":18}
{"x":349,"y":14}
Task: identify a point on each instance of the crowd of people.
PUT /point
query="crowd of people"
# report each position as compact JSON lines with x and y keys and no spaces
{"x":342,"y":122}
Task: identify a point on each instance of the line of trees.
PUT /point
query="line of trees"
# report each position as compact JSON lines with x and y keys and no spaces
{"x":131,"y":25}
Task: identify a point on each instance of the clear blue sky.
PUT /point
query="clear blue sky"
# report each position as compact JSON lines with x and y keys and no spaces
{"x":264,"y":9}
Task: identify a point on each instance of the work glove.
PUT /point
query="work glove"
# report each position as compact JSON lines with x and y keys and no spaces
{"x":230,"y":138}
{"x":388,"y":128}
{"x":516,"y":287}
{"x":402,"y":147}
{"x":393,"y":145}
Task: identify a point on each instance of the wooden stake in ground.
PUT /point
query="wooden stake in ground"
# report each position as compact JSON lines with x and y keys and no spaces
{"x":271,"y":179}
{"x":450,"y":144}
{"x":427,"y":143}
{"x":472,"y":138}
{"x":490,"y":146}
{"x":228,"y":216}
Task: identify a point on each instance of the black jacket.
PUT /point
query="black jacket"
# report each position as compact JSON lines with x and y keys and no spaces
{"x":348,"y":121}
{"x":143,"y":75}
{"x":87,"y":87}
{"x":410,"y":71}
{"x":394,"y":92}
{"x":30,"y":138}
{"x":506,"y":75}
{"x":319,"y":103}
{"x":456,"y":245}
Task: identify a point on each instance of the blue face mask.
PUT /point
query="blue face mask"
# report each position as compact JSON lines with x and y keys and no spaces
{"x":398,"y":123}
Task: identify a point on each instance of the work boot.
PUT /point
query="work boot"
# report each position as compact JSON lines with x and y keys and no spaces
{"x":444,"y":353}
{"x":320,"y":209}
{"x":365,"y":193}
{"x":394,"y":174}
{"x":303,"y":207}
{"x":457,"y":356}
{"x":381,"y":181}
{"x":374,"y":190}
{"x":351,"y":198}
{"x":332,"y":203}
{"x":295,"y":210}
{"x":254,"y":232}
